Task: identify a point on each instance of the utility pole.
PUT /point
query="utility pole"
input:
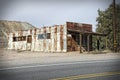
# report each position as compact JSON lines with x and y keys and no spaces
{"x":114,"y":26}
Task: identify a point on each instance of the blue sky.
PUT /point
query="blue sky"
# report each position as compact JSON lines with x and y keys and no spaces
{"x":50,"y":12}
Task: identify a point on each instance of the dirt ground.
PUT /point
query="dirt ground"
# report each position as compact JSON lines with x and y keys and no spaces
{"x":12,"y":57}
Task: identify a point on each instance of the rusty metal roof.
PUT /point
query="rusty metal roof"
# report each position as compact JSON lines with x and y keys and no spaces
{"x":86,"y":32}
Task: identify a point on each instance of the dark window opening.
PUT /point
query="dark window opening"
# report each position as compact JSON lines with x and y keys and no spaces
{"x":84,"y":40}
{"x":14,"y":39}
{"x":23,"y":38}
{"x":48,"y":36}
{"x":19,"y":38}
{"x":76,"y":38}
{"x":29,"y":39}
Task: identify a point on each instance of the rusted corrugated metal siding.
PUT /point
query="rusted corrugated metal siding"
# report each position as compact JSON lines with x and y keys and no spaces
{"x":73,"y":38}
{"x":46,"y":39}
{"x":18,"y":40}
{"x":87,"y":27}
{"x":55,"y":43}
{"x":79,"y":26}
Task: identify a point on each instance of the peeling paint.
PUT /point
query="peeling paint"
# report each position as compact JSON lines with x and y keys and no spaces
{"x":52,"y":38}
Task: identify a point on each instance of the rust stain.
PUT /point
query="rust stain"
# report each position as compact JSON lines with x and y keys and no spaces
{"x":13,"y":34}
{"x":55,"y":29}
{"x":30,"y":31}
{"x":44,"y":29}
{"x":35,"y":31}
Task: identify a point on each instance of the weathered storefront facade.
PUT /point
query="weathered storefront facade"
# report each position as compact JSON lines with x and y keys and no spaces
{"x":57,"y":38}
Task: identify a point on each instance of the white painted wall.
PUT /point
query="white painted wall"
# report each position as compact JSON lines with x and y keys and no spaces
{"x":43,"y":45}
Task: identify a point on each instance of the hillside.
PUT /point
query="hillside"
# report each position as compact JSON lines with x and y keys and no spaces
{"x":11,"y":26}
{"x":7,"y":27}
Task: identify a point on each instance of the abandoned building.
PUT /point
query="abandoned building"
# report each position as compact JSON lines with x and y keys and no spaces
{"x":70,"y":36}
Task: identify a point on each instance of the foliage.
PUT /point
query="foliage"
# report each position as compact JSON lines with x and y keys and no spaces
{"x":105,"y":25}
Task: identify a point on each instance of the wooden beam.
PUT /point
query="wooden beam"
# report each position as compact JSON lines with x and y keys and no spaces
{"x":80,"y":43}
{"x":88,"y":43}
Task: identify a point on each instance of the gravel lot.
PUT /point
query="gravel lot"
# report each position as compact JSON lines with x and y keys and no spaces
{"x":11,"y":57}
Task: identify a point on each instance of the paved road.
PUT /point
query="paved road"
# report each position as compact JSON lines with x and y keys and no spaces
{"x":83,"y":70}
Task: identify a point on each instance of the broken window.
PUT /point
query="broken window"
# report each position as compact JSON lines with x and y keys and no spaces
{"x":44,"y":36}
{"x":41,"y":36}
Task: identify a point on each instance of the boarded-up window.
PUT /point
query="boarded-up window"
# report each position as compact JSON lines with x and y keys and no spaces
{"x":29,"y":39}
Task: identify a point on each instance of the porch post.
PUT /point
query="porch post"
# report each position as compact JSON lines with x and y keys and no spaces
{"x":88,"y":44}
{"x":80,"y":43}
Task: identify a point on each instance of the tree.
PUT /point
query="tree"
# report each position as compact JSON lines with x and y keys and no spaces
{"x":105,"y":25}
